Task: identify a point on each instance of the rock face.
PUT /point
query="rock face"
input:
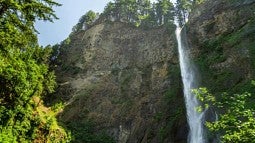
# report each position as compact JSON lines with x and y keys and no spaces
{"x":126,"y":80}
{"x":221,"y":33}
{"x":222,"y":36}
{"x":219,"y":17}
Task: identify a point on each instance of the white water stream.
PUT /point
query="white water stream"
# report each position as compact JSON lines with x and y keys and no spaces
{"x":195,"y":119}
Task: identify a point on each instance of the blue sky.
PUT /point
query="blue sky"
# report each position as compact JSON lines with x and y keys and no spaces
{"x":69,"y":14}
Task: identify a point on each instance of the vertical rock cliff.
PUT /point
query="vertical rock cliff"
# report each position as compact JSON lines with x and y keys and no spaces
{"x":125,"y":80}
{"x":222,"y":36}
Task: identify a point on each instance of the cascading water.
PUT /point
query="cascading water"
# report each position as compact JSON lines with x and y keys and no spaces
{"x":195,"y":118}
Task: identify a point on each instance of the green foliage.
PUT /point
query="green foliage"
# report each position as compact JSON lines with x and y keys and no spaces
{"x":197,"y":2}
{"x":57,"y":106}
{"x":24,"y":74}
{"x":217,"y":50}
{"x":141,"y":12}
{"x":183,"y":8}
{"x":48,"y":129}
{"x":205,"y":97}
{"x":85,"y":21}
{"x":172,"y":120}
{"x":171,"y":100}
{"x":171,"y":94}
{"x":90,"y":17}
{"x":83,"y":132}
{"x":17,"y":21}
{"x":164,"y":11}
{"x":237,"y":123}
{"x":236,"y":108}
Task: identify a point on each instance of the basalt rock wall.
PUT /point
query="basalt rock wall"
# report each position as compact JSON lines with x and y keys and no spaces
{"x":221,"y":34}
{"x":125,"y":80}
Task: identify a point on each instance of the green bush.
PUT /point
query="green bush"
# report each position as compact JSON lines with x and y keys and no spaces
{"x":236,"y":122}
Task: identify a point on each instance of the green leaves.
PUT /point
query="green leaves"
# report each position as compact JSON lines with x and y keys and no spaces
{"x":253,"y":82}
{"x":17,"y":21}
{"x":184,"y":7}
{"x":206,"y":99}
{"x":236,"y":121}
{"x":141,"y":13}
{"x":24,"y":78}
{"x":85,"y":21}
{"x":24,"y":74}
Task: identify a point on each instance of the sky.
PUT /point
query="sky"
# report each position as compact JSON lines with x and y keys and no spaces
{"x":69,"y":14}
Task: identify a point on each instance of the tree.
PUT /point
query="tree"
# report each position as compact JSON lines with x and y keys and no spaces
{"x":109,"y":10}
{"x":144,"y":7}
{"x":90,"y":17}
{"x":131,"y":10}
{"x":85,"y":21}
{"x":141,"y":12}
{"x":237,"y":122}
{"x":17,"y":20}
{"x":125,"y":10}
{"x":159,"y":12}
{"x":145,"y":14}
{"x":24,"y":74}
{"x":165,"y":12}
{"x":168,"y":11}
{"x":183,"y":7}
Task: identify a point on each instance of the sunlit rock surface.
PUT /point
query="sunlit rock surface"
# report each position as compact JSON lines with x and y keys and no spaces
{"x":125,"y":79}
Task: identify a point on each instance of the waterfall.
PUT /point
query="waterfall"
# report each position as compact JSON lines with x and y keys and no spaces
{"x":195,"y":119}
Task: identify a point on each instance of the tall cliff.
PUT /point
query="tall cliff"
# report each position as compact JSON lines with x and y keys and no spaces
{"x":222,"y":36}
{"x":125,"y":80}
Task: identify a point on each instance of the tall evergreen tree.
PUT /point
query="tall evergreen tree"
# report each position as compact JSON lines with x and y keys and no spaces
{"x":184,"y":7}
{"x":141,"y":12}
